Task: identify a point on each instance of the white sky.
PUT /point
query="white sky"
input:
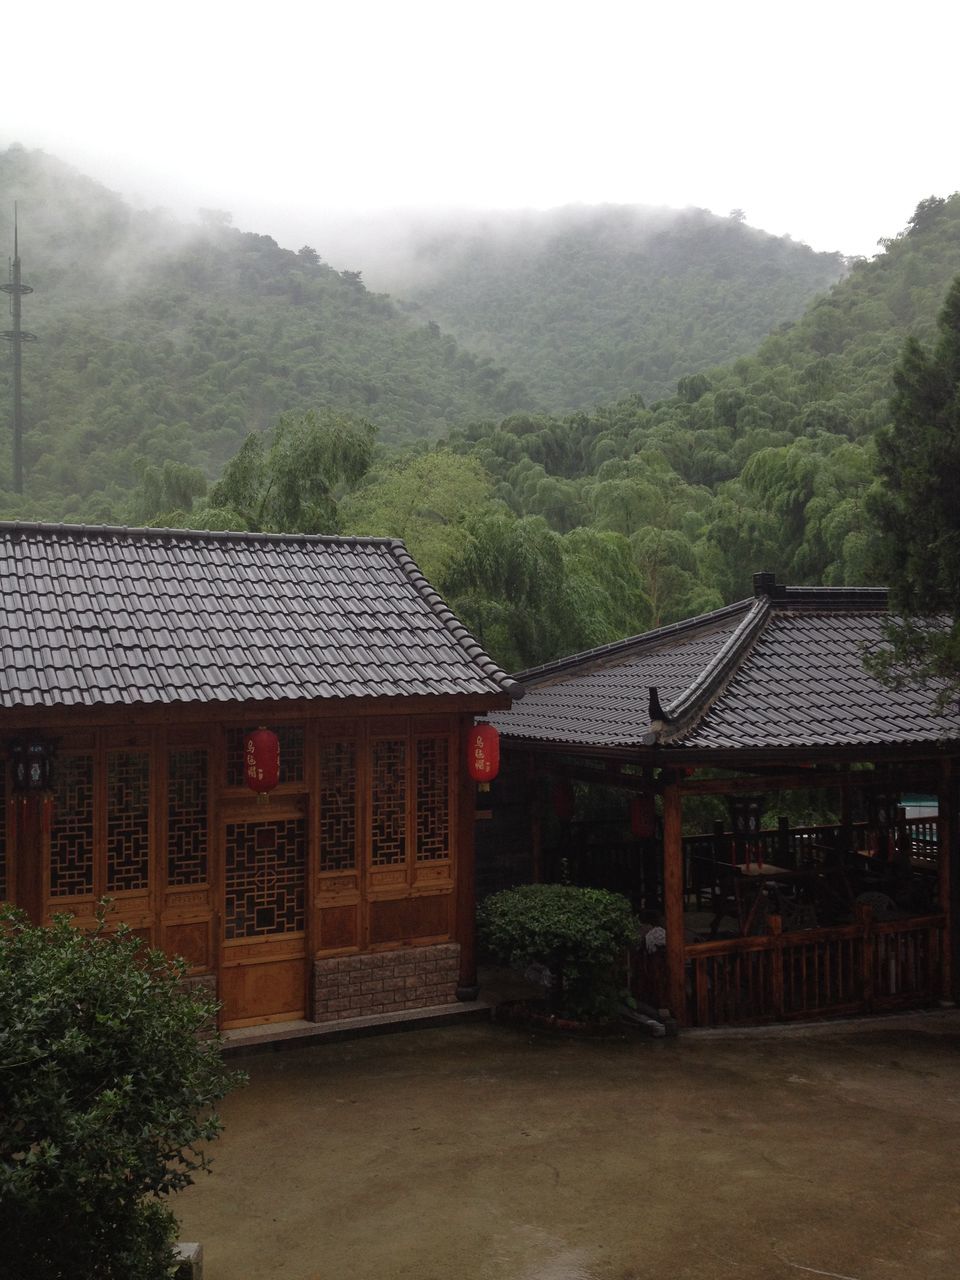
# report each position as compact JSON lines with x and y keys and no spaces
{"x":827,"y":121}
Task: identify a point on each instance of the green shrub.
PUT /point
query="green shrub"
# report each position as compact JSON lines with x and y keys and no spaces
{"x":578,"y":934}
{"x":108,"y":1075}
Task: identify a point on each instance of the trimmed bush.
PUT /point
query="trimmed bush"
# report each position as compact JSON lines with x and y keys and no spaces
{"x":579,"y":935}
{"x":108,"y":1077}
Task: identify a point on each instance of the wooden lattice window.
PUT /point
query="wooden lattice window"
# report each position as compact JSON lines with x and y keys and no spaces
{"x":71,"y":832}
{"x":433,"y":799}
{"x":338,"y":806}
{"x":389,"y":845}
{"x":292,"y":745}
{"x":128,"y":820}
{"x":265,"y":875}
{"x":187,"y":837}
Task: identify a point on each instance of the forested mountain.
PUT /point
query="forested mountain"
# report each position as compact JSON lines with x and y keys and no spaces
{"x":160,"y":341}
{"x":632,"y":516}
{"x":167,"y":352}
{"x":591,"y":304}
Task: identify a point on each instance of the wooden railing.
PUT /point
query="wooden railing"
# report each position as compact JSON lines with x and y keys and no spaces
{"x":857,"y":968}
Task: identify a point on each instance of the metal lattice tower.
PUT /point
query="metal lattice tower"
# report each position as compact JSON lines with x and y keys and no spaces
{"x":17,"y":337}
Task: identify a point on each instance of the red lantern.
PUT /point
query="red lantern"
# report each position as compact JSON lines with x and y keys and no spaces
{"x":261,"y":760}
{"x":483,"y":753}
{"x":643,"y":817}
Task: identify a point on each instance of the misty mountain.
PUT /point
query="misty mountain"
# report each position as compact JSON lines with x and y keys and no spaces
{"x":762,"y":462}
{"x":159,"y":340}
{"x":590,"y":304}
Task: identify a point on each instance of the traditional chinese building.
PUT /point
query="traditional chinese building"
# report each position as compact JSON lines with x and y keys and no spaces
{"x":760,"y":915}
{"x":135,"y":664}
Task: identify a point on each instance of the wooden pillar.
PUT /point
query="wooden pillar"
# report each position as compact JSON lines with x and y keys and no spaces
{"x":31,"y":851}
{"x":466,"y":901}
{"x":536,"y":821}
{"x":673,"y":901}
{"x":948,"y":856}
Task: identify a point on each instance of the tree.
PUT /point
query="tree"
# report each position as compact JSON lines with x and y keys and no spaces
{"x":289,"y":481}
{"x":507,"y":586}
{"x":166,"y":493}
{"x":426,"y":502}
{"x":916,"y":507}
{"x":108,"y":1077}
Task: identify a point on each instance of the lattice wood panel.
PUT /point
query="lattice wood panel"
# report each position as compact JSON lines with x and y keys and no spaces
{"x":187,"y":836}
{"x":433,"y":799}
{"x":71,"y":831}
{"x":389,"y":846}
{"x":128,"y":820}
{"x":265,"y":877}
{"x":292,"y":746}
{"x":338,"y":806}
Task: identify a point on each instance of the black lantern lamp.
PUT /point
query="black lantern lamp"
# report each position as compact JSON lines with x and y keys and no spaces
{"x":32,"y":765}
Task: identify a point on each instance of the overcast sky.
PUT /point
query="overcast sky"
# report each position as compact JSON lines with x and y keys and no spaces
{"x":827,"y":121}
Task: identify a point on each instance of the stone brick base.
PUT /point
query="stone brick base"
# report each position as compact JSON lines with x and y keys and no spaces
{"x":409,"y":978}
{"x":207,"y":981}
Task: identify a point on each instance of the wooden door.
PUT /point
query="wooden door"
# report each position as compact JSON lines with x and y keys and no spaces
{"x":263,"y":935}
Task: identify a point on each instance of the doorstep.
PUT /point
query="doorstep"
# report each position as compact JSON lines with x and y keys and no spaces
{"x":285,"y":1035}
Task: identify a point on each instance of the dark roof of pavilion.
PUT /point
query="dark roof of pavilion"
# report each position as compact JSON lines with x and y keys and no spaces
{"x":782,"y":671}
{"x":94,"y":616}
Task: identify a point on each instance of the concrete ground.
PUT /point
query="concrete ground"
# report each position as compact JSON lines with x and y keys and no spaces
{"x":479,"y":1152}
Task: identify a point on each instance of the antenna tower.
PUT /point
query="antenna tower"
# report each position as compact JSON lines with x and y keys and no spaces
{"x":17,"y":337}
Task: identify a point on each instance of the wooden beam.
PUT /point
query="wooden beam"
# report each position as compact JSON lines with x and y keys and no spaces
{"x":812,"y":779}
{"x":242,"y":713}
{"x":673,"y":902}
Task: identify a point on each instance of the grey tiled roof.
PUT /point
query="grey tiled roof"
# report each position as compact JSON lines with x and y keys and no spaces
{"x":102,"y":616}
{"x":783,"y":671}
{"x":601,"y":698}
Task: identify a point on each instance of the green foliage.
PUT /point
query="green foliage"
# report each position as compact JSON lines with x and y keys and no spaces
{"x":426,"y":501}
{"x":161,"y":341}
{"x":578,"y":934}
{"x":167,"y":354}
{"x":288,"y":482}
{"x":916,"y":504}
{"x":107,"y":1083}
{"x":591,"y":305}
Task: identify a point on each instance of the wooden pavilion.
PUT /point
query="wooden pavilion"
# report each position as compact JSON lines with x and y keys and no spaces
{"x":761,"y":699}
{"x":135,"y":661}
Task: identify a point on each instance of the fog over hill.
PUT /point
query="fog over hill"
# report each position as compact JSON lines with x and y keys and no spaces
{"x":590,"y":303}
{"x":161,"y":339}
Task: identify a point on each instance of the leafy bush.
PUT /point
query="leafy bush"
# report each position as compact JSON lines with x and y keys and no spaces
{"x":108,"y":1075}
{"x":578,"y":934}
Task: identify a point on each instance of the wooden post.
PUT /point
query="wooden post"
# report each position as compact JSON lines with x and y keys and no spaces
{"x":775,"y":925}
{"x":31,"y":853}
{"x":864,"y":918}
{"x":947,"y":854}
{"x":673,"y":901}
{"x":466,"y":904}
{"x":536,"y":821}
{"x":784,"y":852}
{"x":846,"y":816}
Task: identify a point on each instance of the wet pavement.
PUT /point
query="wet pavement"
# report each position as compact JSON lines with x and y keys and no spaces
{"x":479,"y":1152}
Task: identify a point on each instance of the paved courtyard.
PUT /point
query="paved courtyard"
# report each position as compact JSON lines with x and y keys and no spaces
{"x":476,"y":1152}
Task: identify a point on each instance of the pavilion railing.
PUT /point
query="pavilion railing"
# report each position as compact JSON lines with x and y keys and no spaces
{"x":863,"y":967}
{"x":867,"y":967}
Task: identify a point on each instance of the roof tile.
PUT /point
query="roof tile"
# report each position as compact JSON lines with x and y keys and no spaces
{"x":95,"y":616}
